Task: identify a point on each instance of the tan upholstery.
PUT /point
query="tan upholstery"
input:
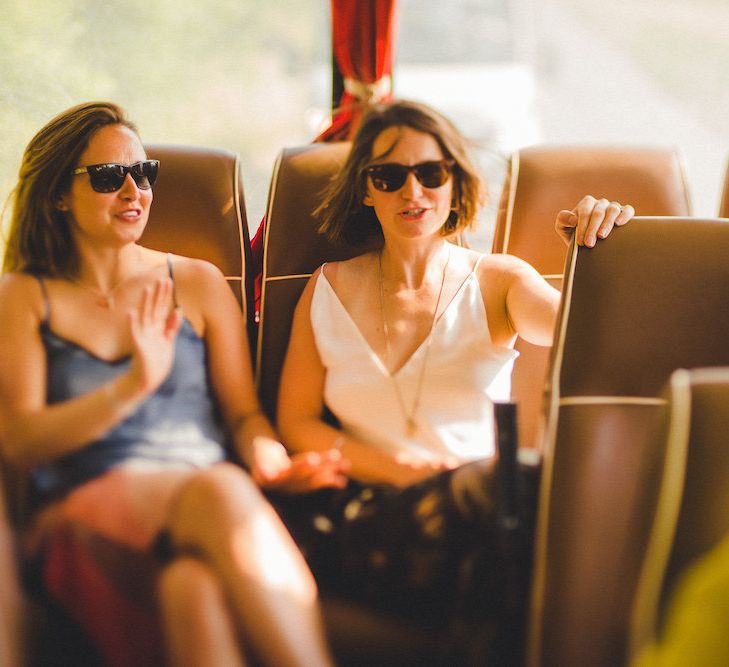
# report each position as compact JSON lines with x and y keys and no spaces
{"x":292,"y":251}
{"x":691,"y":516}
{"x":540,"y":182}
{"x":724,"y":205}
{"x":651,"y":299}
{"x":199,"y":211}
{"x":12,"y":603}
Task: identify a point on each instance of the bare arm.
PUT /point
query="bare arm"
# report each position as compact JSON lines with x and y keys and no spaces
{"x":32,"y":431}
{"x":254,"y":439}
{"x":531,"y":303}
{"x":301,"y":403}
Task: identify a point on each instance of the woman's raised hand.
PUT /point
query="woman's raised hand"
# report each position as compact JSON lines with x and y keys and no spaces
{"x":153,"y":326}
{"x":592,"y":219}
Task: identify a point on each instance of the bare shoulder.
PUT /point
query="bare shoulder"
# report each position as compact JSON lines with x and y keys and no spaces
{"x":202,"y":292}
{"x":348,"y":270}
{"x":20,"y":291}
{"x":500,"y":266}
{"x":501,"y":262}
{"x":341,"y":275}
{"x":193,"y":269}
{"x":10,"y":283}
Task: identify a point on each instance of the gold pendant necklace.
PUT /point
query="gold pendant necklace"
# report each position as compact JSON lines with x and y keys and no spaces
{"x":102,"y":300}
{"x":411,"y":426}
{"x":106,"y":299}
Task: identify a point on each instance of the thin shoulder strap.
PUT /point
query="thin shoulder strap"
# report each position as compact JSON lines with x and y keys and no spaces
{"x":46,"y":300}
{"x":478,"y":261}
{"x":172,"y":278}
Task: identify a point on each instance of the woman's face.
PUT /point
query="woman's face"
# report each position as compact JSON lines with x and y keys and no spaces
{"x":413,"y":210}
{"x":112,"y":218}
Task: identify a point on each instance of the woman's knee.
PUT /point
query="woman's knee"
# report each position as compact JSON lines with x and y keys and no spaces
{"x":213,"y":499}
{"x":187,"y":583}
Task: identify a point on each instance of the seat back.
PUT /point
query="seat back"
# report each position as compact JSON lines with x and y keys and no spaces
{"x":649,"y":300}
{"x":724,"y":204}
{"x":543,"y":180}
{"x":691,"y":516}
{"x":12,"y":604}
{"x":292,"y":250}
{"x":199,"y":211}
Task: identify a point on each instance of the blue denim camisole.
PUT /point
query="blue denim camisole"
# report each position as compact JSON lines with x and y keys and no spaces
{"x":177,"y":425}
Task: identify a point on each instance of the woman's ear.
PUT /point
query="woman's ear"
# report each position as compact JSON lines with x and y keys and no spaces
{"x":368,"y":201}
{"x":61,"y":204}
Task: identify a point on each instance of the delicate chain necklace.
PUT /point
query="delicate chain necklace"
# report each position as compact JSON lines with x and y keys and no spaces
{"x":105,"y":300}
{"x":411,"y":425}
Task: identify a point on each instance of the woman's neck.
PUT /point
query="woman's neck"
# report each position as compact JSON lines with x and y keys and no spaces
{"x":412,"y":265}
{"x":104,"y":269}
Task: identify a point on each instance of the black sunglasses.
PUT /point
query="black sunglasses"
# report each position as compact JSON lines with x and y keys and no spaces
{"x":109,"y":177}
{"x":391,"y":176}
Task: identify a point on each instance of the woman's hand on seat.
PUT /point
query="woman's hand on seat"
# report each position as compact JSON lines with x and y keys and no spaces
{"x":592,"y":219}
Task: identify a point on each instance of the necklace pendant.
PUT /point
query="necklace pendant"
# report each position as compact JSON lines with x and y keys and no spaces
{"x":411,"y":427}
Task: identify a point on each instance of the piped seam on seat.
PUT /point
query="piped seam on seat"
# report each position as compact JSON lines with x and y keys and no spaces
{"x":567,"y":401}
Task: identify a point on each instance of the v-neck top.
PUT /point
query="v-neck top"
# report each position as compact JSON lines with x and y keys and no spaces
{"x":465,"y":372}
{"x":177,"y":425}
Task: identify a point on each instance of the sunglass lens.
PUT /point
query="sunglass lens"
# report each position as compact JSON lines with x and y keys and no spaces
{"x":144,"y":173}
{"x":432,"y":174}
{"x":391,"y":177}
{"x":388,"y":177}
{"x":107,"y":177}
{"x":110,"y":177}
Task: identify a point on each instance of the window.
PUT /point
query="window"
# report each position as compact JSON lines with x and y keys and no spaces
{"x":515,"y":72}
{"x":249,"y":76}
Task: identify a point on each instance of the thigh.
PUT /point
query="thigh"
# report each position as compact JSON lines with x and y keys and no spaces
{"x":129,"y":504}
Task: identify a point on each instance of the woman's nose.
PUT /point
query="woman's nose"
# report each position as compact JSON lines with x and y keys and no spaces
{"x":412,"y":187}
{"x":129,"y":189}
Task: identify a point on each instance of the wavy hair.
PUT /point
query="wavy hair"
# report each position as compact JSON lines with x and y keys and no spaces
{"x":343,"y":215}
{"x":39,"y":236}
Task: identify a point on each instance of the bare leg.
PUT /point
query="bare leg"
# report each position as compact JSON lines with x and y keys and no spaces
{"x":221,"y":516}
{"x":199,"y":628}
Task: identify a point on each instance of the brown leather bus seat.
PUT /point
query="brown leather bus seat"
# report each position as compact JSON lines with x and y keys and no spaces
{"x":724,"y":205}
{"x":651,"y":299}
{"x":691,"y":517}
{"x":199,"y":211}
{"x":292,"y":251}
{"x":541,"y":181}
{"x":12,"y":602}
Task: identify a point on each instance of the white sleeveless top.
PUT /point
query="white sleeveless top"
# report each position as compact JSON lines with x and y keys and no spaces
{"x":465,"y":372}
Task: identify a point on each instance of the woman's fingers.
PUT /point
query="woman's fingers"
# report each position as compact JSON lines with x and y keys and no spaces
{"x":592,"y":219}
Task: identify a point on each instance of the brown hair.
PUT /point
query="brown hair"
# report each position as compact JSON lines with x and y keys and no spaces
{"x":344,"y":216}
{"x":39,"y":238}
